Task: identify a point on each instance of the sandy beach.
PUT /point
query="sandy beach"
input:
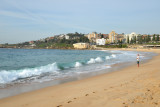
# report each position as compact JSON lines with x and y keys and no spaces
{"x":129,"y":87}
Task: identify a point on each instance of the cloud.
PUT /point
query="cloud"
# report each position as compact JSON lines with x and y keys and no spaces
{"x":15,"y":14}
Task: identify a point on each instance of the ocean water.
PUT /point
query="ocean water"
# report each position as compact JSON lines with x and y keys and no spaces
{"x":39,"y":65}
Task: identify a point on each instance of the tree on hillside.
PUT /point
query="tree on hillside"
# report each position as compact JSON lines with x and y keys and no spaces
{"x":76,"y":34}
{"x":157,"y":39}
{"x":148,"y":38}
{"x":84,"y":39}
{"x":128,"y":39}
{"x":154,"y":37}
{"x":6,"y":44}
{"x":139,"y":39}
{"x":102,"y":36}
{"x":134,"y":39}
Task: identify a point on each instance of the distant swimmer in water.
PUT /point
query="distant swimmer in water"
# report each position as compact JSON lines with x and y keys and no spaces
{"x":138,"y":60}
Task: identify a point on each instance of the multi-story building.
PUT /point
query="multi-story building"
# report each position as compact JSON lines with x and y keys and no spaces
{"x":66,"y":37}
{"x":101,"y":41}
{"x":121,"y":37}
{"x":51,"y":37}
{"x":62,"y":36}
{"x":130,"y":36}
{"x":92,"y":36}
{"x":112,"y":37}
{"x":31,"y":42}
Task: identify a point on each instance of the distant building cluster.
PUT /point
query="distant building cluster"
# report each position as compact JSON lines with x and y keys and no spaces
{"x":90,"y":41}
{"x":102,"y":39}
{"x":99,"y":39}
{"x":114,"y":38}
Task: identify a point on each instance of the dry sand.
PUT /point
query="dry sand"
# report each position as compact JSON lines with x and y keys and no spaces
{"x":129,"y":87}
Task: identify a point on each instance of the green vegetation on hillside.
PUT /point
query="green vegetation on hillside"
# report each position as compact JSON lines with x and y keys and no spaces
{"x":62,"y":43}
{"x":114,"y":46}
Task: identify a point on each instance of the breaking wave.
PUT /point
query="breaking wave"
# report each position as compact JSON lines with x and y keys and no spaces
{"x":113,"y":55}
{"x":78,"y":64}
{"x":12,"y":75}
{"x":54,"y":68}
{"x":92,"y":60}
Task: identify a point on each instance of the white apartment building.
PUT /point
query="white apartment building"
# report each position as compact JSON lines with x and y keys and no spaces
{"x":66,"y":37}
{"x":131,"y":36}
{"x":101,"y":41}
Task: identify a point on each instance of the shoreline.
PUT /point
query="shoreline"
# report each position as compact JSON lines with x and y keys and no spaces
{"x":19,"y":88}
{"x":77,"y":90}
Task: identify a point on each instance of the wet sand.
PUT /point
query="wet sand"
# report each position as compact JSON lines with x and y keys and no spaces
{"x":128,"y":87}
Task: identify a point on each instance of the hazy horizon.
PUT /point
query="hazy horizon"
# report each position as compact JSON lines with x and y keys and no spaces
{"x":32,"y":20}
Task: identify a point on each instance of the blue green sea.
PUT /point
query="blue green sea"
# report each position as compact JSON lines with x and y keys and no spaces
{"x":39,"y":65}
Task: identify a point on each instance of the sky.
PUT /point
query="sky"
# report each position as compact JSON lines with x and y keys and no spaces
{"x":26,"y":20}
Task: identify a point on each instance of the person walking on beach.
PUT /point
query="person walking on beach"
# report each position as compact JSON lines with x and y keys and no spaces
{"x":138,"y":60}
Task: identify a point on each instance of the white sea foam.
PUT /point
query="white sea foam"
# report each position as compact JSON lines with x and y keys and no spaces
{"x":98,"y":59}
{"x":8,"y":76}
{"x":78,"y":64}
{"x":107,"y":66}
{"x":113,"y":55}
{"x":107,"y":57}
{"x":91,"y":61}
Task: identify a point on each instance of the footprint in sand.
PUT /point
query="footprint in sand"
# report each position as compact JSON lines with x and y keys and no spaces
{"x":133,"y":101}
{"x":87,"y":95}
{"x":155,"y":103}
{"x":105,"y":89}
{"x":93,"y":92}
{"x":124,"y":103}
{"x":74,"y":98}
{"x":142,"y":101}
{"x":69,"y":101}
{"x":148,"y":90}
